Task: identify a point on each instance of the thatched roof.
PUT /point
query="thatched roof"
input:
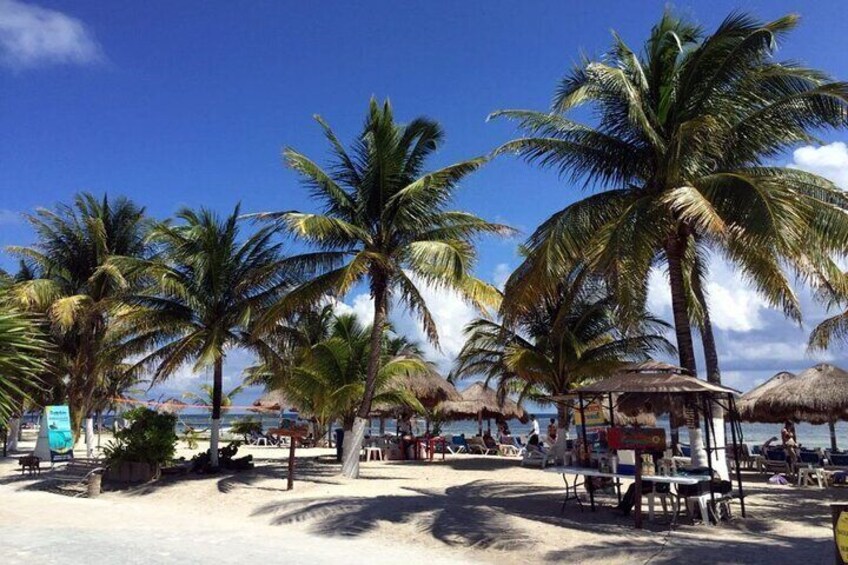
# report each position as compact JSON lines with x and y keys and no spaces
{"x":274,"y":402}
{"x":751,"y":410}
{"x":171,"y":406}
{"x":429,"y":387}
{"x":817,"y":395}
{"x":653,"y":383}
{"x":480,"y":400}
{"x":637,"y":416}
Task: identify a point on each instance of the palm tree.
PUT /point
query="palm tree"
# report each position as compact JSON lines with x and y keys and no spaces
{"x":329,"y":381}
{"x":206,"y":397}
{"x":563,"y":342}
{"x":207,"y":286}
{"x":23,"y":349}
{"x":385,"y":220}
{"x":70,"y":277}
{"x":680,"y":150}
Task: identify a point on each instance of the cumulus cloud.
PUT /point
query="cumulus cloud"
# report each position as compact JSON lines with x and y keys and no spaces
{"x":734,"y":305}
{"x":32,"y":36}
{"x":829,"y":161}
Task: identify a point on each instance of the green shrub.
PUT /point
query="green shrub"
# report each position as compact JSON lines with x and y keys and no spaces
{"x":149,"y":438}
{"x":246,"y":427}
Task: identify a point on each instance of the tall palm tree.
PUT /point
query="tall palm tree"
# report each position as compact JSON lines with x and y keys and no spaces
{"x":329,"y":381}
{"x":680,"y":151}
{"x":563,"y":342}
{"x":71,"y":278}
{"x":386,"y":220}
{"x":206,"y":287}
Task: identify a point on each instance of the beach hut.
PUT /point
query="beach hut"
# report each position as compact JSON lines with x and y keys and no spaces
{"x":751,"y":410}
{"x":481,"y":402}
{"x":171,"y":406}
{"x":429,"y":387}
{"x":818,"y":395}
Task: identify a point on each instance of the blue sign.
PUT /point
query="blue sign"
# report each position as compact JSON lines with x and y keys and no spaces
{"x":59,"y":436}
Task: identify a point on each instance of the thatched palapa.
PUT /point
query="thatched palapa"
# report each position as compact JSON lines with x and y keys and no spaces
{"x":752,"y":410}
{"x":272,"y":402}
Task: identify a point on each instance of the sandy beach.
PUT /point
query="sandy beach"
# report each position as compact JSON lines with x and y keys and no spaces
{"x":465,"y":509}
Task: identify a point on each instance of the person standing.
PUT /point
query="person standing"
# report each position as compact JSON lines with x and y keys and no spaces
{"x":535,"y":432}
{"x":552,"y":430}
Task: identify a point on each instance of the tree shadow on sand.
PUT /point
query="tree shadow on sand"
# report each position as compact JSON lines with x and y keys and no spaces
{"x":475,"y":514}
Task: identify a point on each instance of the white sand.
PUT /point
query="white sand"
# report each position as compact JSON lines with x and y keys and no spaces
{"x":470,"y":508}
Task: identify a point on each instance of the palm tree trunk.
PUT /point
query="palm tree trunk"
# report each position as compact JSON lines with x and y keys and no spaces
{"x":217,"y":385}
{"x":350,"y":461}
{"x":713,"y":376}
{"x":832,"y":427}
{"x":683,"y":330}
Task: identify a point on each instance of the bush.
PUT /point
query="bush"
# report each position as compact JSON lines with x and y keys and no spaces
{"x":246,"y":427}
{"x":150,"y":438}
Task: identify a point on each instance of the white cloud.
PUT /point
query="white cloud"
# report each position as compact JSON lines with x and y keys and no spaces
{"x":734,"y":305}
{"x":829,"y":161}
{"x":501,"y":275}
{"x":9,"y":217}
{"x":32,"y":36}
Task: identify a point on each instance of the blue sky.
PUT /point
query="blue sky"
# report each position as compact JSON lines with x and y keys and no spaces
{"x":189,"y":103}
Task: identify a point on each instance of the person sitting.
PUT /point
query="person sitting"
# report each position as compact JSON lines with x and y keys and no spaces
{"x":489,"y":441}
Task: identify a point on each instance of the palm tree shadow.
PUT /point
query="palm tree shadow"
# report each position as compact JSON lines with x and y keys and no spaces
{"x":473,"y":514}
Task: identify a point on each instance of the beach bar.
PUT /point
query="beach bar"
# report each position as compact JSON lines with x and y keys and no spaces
{"x":652,"y":385}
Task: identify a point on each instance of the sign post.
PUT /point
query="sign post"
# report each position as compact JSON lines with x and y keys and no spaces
{"x":290,"y":429}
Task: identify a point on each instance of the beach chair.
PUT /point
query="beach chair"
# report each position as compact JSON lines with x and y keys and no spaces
{"x":837,"y":462}
{"x":457,"y":445}
{"x":257,"y":439}
{"x":535,"y":456}
{"x":775,"y":461}
{"x":509,"y":450}
{"x":478,"y":446}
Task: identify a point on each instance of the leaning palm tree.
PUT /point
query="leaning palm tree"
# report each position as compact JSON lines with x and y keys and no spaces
{"x":329,"y":381}
{"x":565,"y":341}
{"x":71,"y":279}
{"x":384,"y":220}
{"x":207,"y":285}
{"x":680,"y":149}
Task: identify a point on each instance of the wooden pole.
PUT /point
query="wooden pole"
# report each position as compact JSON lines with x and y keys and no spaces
{"x":290,"y":484}
{"x":832,"y":427}
{"x":638,"y":492}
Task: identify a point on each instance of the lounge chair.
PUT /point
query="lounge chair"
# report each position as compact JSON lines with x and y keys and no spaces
{"x":535,"y":456}
{"x":257,"y":439}
{"x":457,"y":445}
{"x":478,"y":446}
{"x":509,"y":450}
{"x":775,"y":461}
{"x":837,"y":462}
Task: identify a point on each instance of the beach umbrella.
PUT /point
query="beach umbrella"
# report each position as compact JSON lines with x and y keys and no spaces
{"x":171,"y":406}
{"x":429,"y":387}
{"x":479,"y":401}
{"x":818,"y":395}
{"x":751,"y":410}
{"x":273,"y":402}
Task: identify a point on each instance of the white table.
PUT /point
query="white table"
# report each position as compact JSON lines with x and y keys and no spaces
{"x":571,"y":488}
{"x":807,"y":474}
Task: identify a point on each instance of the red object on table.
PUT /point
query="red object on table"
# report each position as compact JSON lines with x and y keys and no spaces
{"x":431,"y":446}
{"x":648,"y":439}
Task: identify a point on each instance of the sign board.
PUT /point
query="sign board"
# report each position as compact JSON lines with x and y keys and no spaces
{"x":55,"y":438}
{"x":596,"y":415}
{"x":645,"y":439}
{"x":290,"y":427}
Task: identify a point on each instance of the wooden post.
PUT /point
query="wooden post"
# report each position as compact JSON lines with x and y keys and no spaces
{"x":638,"y":491}
{"x":832,"y":427}
{"x":292,"y":442}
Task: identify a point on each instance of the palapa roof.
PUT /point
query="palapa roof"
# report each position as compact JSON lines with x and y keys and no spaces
{"x":274,"y":401}
{"x":429,"y":387}
{"x":171,"y":406}
{"x":817,"y":395}
{"x":752,"y":410}
{"x":477,"y":400}
{"x":665,"y":383}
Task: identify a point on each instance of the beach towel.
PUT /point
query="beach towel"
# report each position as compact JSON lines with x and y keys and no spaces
{"x":778,"y":480}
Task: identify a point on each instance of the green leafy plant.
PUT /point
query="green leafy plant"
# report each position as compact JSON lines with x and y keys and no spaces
{"x":246,"y":427}
{"x":150,"y":438}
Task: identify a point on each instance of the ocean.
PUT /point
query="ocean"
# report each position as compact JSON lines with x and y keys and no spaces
{"x":753,"y":434}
